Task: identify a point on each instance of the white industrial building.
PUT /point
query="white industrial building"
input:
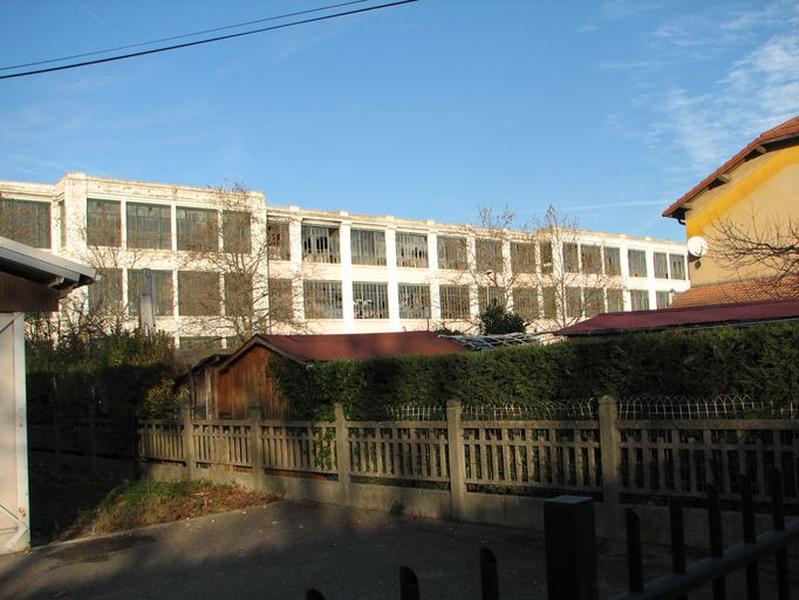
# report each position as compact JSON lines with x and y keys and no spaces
{"x":325,"y":272}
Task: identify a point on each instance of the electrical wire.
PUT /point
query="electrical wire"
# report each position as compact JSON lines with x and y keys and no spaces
{"x":203,"y":41}
{"x":182,"y":36}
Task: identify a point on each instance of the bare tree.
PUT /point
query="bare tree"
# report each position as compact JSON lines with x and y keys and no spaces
{"x":767,"y":248}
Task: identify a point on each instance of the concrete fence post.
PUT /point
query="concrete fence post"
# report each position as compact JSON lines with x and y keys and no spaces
{"x":457,"y":463}
{"x":93,"y":439}
{"x":342,"y":456}
{"x":609,"y":443}
{"x":188,"y":440}
{"x":256,"y":448}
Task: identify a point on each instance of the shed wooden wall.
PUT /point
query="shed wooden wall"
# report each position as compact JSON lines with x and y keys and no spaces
{"x":248,"y":382}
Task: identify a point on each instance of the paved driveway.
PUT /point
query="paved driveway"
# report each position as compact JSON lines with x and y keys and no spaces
{"x":278,"y":551}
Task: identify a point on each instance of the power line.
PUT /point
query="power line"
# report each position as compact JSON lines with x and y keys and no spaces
{"x":182,"y":36}
{"x":204,"y":41}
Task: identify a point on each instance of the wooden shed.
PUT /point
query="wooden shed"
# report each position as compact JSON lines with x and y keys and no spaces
{"x":227,"y":386}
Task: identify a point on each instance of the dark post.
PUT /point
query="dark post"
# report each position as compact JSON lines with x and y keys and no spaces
{"x":314,"y":594}
{"x":716,"y":539}
{"x":489,"y":579}
{"x":570,"y":541}
{"x":750,"y":537}
{"x":677,"y":539}
{"x":635,"y":556}
{"x":778,"y":522}
{"x":409,"y":585}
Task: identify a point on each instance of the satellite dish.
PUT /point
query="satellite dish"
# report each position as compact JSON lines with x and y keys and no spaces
{"x":697,"y":246}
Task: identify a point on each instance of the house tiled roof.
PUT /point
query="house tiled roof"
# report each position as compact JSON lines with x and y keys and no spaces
{"x":351,"y":346}
{"x":788,"y":129}
{"x":737,"y":292}
{"x":681,"y":318}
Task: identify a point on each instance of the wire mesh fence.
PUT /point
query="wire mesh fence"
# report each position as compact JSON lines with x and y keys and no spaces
{"x":723,"y":406}
{"x":585,"y":408}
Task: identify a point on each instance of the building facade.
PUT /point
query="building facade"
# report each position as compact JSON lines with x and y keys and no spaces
{"x":323,"y":271}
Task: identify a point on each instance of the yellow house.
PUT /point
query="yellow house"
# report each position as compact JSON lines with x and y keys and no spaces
{"x":753,"y":197}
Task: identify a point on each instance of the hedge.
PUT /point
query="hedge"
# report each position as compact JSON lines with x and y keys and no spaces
{"x":762,"y":361}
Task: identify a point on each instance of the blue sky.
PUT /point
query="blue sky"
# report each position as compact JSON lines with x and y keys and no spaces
{"x":608,"y":110}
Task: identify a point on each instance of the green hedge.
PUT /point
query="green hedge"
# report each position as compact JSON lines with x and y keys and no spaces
{"x":762,"y":361}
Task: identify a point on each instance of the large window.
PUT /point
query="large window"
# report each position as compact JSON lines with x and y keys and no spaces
{"x":278,"y":239}
{"x":488,"y":255}
{"x":593,"y":301}
{"x":612,"y":261}
{"x":198,"y":229}
{"x":370,"y":300}
{"x":637,"y":263}
{"x":452,"y":253}
{"x":571,"y":259}
{"x":677,"y":264}
{"x":411,"y":250}
{"x":522,"y":257}
{"x":615,"y":300}
{"x":454,"y":301}
{"x":281,"y":303}
{"x":574,"y":302}
{"x":490,"y":296}
{"x":320,"y":243}
{"x":550,"y":303}
{"x":105,"y":295}
{"x":591,"y":259}
{"x":661,"y":265}
{"x":162,"y":291}
{"x":662,"y":299}
{"x":25,"y":222}
{"x":148,"y":226}
{"x":238,"y":294}
{"x":545,"y":250}
{"x":322,"y":299}
{"x":414,"y":301}
{"x":639,"y":300}
{"x":236,"y":235}
{"x":103,"y":223}
{"x":368,"y":247}
{"x":525,"y":303}
{"x":198,"y":293}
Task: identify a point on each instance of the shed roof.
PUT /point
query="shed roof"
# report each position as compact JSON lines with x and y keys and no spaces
{"x":39,"y":266}
{"x":350,"y":346}
{"x":677,"y":318}
{"x":782,"y":132}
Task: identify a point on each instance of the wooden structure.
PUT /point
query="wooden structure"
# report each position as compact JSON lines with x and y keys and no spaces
{"x":228,"y":386}
{"x":31,"y":280}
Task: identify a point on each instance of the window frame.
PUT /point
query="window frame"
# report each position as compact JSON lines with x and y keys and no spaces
{"x":333,"y":292}
{"x":95,"y":235}
{"x":146,"y":239}
{"x":376,"y":246}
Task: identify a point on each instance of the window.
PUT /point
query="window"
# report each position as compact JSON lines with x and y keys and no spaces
{"x":281,"y":304}
{"x":488,"y":255}
{"x":162,"y":291}
{"x":522,"y":257}
{"x":278,"y":240}
{"x":368,"y":247}
{"x":198,"y":229}
{"x":105,"y":295}
{"x":591,"y":258}
{"x":594,"y":301}
{"x":452,"y":253}
{"x":198,"y":293}
{"x":637,"y":262}
{"x":545,"y":249}
{"x":322,"y":299}
{"x":320,"y":244}
{"x":571,"y":261}
{"x":236,"y":236}
{"x":525,"y":303}
{"x":574,"y":302}
{"x":490,"y":296}
{"x":454,"y":301}
{"x":414,"y":301}
{"x":25,"y":222}
{"x":677,"y":264}
{"x":148,"y":226}
{"x":103,"y":223}
{"x":550,"y":305}
{"x":662,"y":299}
{"x":370,"y":300}
{"x":238,"y":295}
{"x":661,"y":265}
{"x":411,"y":250}
{"x":62,"y":218}
{"x":639,"y":300}
{"x":615,"y":300}
{"x":612,"y":261}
